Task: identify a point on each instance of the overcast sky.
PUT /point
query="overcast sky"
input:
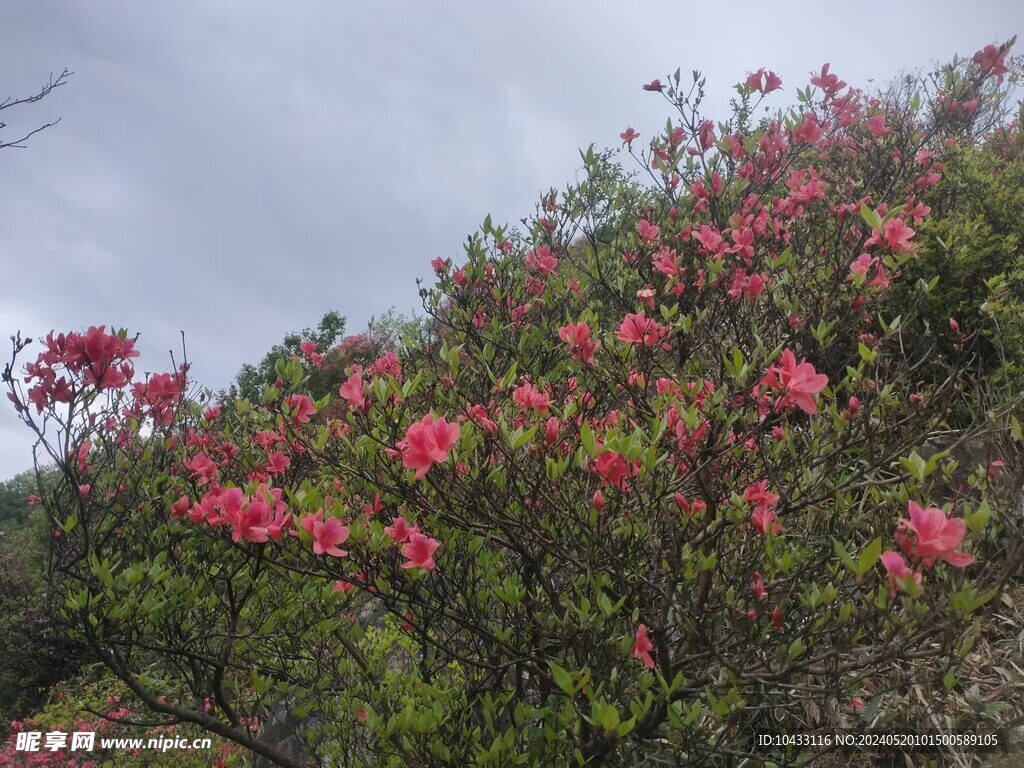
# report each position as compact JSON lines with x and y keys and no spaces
{"x":234,"y":170}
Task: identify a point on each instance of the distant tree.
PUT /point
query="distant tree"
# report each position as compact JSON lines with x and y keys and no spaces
{"x":35,"y":651}
{"x":252,"y":379}
{"x":14,"y":493}
{"x":44,"y":91}
{"x":387,"y":333}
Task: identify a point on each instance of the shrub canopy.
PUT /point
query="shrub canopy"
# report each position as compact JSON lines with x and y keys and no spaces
{"x":664,"y":470}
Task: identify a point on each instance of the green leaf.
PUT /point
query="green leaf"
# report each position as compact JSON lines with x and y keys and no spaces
{"x":844,"y":555}
{"x":964,"y":600}
{"x":587,"y":439}
{"x":607,"y":717}
{"x":625,"y":727}
{"x":915,"y":465}
{"x":796,"y":648}
{"x":783,"y":258}
{"x":950,"y":680}
{"x":871,"y":218}
{"x":562,"y":679}
{"x":869,"y":556}
{"x":1018,"y":435}
{"x":674,"y":719}
{"x":977,"y":519}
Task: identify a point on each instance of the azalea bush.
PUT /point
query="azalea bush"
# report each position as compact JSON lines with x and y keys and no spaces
{"x":97,"y":704}
{"x":973,"y":243}
{"x":658,"y":474}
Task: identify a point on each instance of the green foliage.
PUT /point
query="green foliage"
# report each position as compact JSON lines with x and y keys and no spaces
{"x":100,"y":703}
{"x":971,"y":263}
{"x":35,"y":652}
{"x":665,"y":503}
{"x":252,"y":379}
{"x":15,"y":510}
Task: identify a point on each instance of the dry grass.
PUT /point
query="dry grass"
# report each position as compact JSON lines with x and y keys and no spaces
{"x":989,"y":699}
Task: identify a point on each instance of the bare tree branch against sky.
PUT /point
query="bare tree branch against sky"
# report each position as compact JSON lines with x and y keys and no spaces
{"x":237,"y":169}
{"x":11,"y":102}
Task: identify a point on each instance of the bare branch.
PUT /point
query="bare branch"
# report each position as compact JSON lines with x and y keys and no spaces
{"x":44,"y":91}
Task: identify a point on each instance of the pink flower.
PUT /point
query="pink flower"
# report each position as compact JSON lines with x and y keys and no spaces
{"x":705,"y":135}
{"x":628,"y":135}
{"x":541,"y":261}
{"x":809,"y":131}
{"x":877,"y":126}
{"x":399,"y":531}
{"x":577,"y":337}
{"x":757,"y":584}
{"x":648,"y":232}
{"x":897,"y":569}
{"x":327,"y":536}
{"x":756,"y":285}
{"x":646,"y":295}
{"x":880,"y":280}
{"x":750,"y":286}
{"x":528,"y":397}
{"x":203,"y":468}
{"x":354,"y":391}
{"x":654,"y":85}
{"x":798,"y":382}
{"x":743,"y":237}
{"x":777,"y":618}
{"x":763,"y":520}
{"x":34,"y":500}
{"x":551,"y":428}
{"x":759,"y":495}
{"x":639,"y":329}
{"x":828,"y":82}
{"x":894,"y":237}
{"x":308,"y":348}
{"x":479,"y":416}
{"x":614,"y":469}
{"x":711,"y":241}
{"x":642,"y":647}
{"x":861,"y":265}
{"x":772,"y":82}
{"x":690,"y":508}
{"x":990,"y":59}
{"x":301,"y":408}
{"x":598,"y":501}
{"x":665,"y":261}
{"x":764,"y":83}
{"x":426,"y":443}
{"x":419,"y":551}
{"x":935,"y":536}
{"x":180,"y":507}
{"x":277,"y":463}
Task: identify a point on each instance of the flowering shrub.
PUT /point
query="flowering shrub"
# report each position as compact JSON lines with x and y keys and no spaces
{"x":104,"y":708}
{"x":660,"y":467}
